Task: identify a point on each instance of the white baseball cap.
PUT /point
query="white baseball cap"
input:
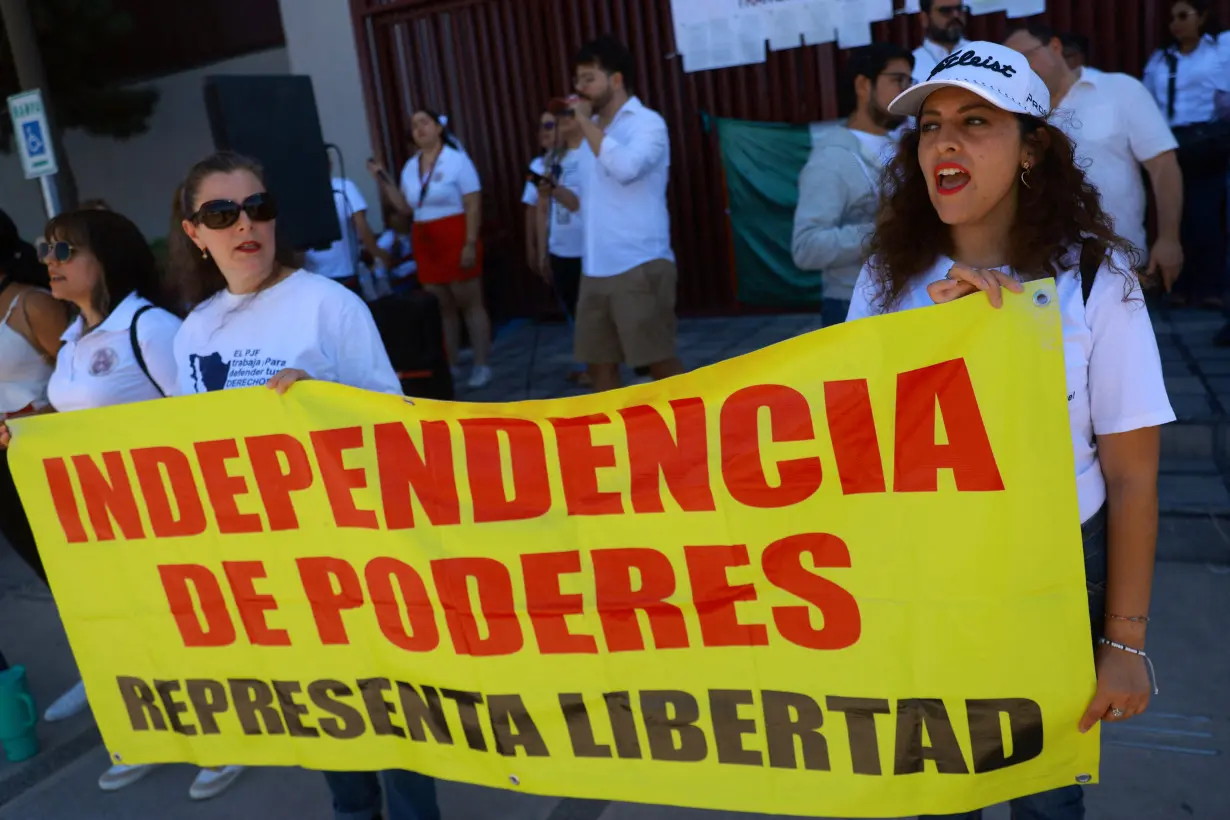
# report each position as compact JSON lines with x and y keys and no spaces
{"x":996,"y":73}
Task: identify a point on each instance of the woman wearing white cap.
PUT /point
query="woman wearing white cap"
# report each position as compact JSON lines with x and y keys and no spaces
{"x":985,"y":194}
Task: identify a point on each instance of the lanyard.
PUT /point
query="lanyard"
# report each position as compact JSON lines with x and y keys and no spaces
{"x":425,"y":180}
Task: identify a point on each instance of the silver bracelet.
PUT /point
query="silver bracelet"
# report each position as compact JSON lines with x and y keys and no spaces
{"x":1131,"y":651}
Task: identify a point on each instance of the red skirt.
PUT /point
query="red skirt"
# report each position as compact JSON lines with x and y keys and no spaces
{"x":437,"y":249}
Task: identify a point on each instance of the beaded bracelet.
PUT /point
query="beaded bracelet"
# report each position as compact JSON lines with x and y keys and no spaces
{"x":1131,"y":651}
{"x":1132,"y":619}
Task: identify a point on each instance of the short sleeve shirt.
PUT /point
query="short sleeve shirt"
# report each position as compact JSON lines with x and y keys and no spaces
{"x":567,"y":228}
{"x":338,"y":261}
{"x":100,"y":369}
{"x":1114,"y":370}
{"x":439,"y":192}
{"x":1115,"y":126}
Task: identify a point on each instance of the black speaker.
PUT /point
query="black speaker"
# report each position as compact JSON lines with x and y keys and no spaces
{"x":273,"y":119}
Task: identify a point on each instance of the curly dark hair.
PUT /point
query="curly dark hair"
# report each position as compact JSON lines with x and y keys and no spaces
{"x":1057,"y":212}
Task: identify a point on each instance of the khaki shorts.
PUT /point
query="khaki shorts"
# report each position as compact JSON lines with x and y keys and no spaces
{"x":628,"y":318}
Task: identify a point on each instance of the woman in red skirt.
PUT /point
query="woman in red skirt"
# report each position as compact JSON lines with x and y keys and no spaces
{"x":441,"y":190}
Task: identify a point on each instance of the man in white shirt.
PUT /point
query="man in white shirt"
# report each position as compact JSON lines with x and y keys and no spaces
{"x":340,"y":261}
{"x":943,"y":23}
{"x":1117,"y":129}
{"x":839,"y":188}
{"x":626,"y":308}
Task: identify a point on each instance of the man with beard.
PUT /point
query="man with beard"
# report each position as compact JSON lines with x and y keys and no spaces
{"x":943,"y":23}
{"x":626,"y":308}
{"x":839,"y":188}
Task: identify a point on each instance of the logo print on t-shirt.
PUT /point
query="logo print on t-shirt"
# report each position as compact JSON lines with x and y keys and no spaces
{"x":209,"y":372}
{"x":247,"y":367}
{"x":103,"y":362}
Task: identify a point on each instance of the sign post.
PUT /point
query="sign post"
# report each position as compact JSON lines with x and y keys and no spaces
{"x":33,"y":136}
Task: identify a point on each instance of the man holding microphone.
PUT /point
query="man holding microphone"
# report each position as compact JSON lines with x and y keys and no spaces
{"x":626,"y":308}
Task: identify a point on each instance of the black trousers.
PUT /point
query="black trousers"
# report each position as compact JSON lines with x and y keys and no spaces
{"x":14,"y":525}
{"x":1203,"y":230}
{"x":566,"y":276}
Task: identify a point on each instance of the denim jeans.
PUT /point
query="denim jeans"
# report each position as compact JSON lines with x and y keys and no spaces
{"x":1067,"y":802}
{"x":358,"y":795}
{"x":834,"y":311}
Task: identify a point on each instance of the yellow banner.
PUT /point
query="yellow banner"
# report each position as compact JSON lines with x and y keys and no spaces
{"x":841,"y":576}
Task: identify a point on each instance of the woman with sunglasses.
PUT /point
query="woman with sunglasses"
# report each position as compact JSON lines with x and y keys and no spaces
{"x":985,"y":193}
{"x":555,"y":233}
{"x":1184,"y":78}
{"x":440,"y":189}
{"x":117,"y":351}
{"x":256,"y":320}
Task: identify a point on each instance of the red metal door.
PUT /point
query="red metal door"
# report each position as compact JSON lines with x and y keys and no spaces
{"x":491,"y":65}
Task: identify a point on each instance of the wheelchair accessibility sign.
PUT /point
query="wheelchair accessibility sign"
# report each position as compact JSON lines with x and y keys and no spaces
{"x":32,"y":135}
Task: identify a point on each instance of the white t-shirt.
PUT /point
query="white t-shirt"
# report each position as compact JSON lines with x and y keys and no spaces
{"x":338,"y":262}
{"x":1114,"y":371}
{"x":306,"y":322}
{"x":567,"y":228}
{"x":453,"y":178}
{"x":1115,"y":125}
{"x":399,"y":247}
{"x":99,"y":368}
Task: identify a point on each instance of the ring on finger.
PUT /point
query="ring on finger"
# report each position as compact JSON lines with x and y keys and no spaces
{"x":1116,"y":712}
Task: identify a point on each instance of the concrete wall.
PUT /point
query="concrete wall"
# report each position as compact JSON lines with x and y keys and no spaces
{"x":321,"y":43}
{"x":137,"y":176}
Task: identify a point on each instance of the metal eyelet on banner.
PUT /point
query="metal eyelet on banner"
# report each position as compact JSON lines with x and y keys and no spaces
{"x":1084,"y":778}
{"x":117,"y":758}
{"x":1042,"y":298}
{"x":513,"y":779}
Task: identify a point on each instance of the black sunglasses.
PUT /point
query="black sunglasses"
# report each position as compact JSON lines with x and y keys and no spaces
{"x":218,"y":214}
{"x":59,"y":252}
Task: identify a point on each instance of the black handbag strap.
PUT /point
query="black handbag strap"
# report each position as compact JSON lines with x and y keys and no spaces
{"x":1091,"y":261}
{"x":136,"y":349}
{"x":1172,"y":63}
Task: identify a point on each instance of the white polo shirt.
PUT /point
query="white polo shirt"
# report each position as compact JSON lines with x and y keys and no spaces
{"x":340,"y":259}
{"x":566,"y":237}
{"x":453,"y":178}
{"x":627,"y":223}
{"x":1198,"y":78}
{"x":1114,"y":371}
{"x":1115,"y":125}
{"x":928,"y":56}
{"x":99,"y":368}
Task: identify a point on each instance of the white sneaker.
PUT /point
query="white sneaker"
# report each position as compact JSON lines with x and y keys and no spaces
{"x":212,"y":782}
{"x":119,"y":776}
{"x":71,"y":703}
{"x":480,"y":377}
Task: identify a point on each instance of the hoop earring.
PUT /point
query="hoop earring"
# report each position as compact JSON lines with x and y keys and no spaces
{"x":1025,"y":169}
